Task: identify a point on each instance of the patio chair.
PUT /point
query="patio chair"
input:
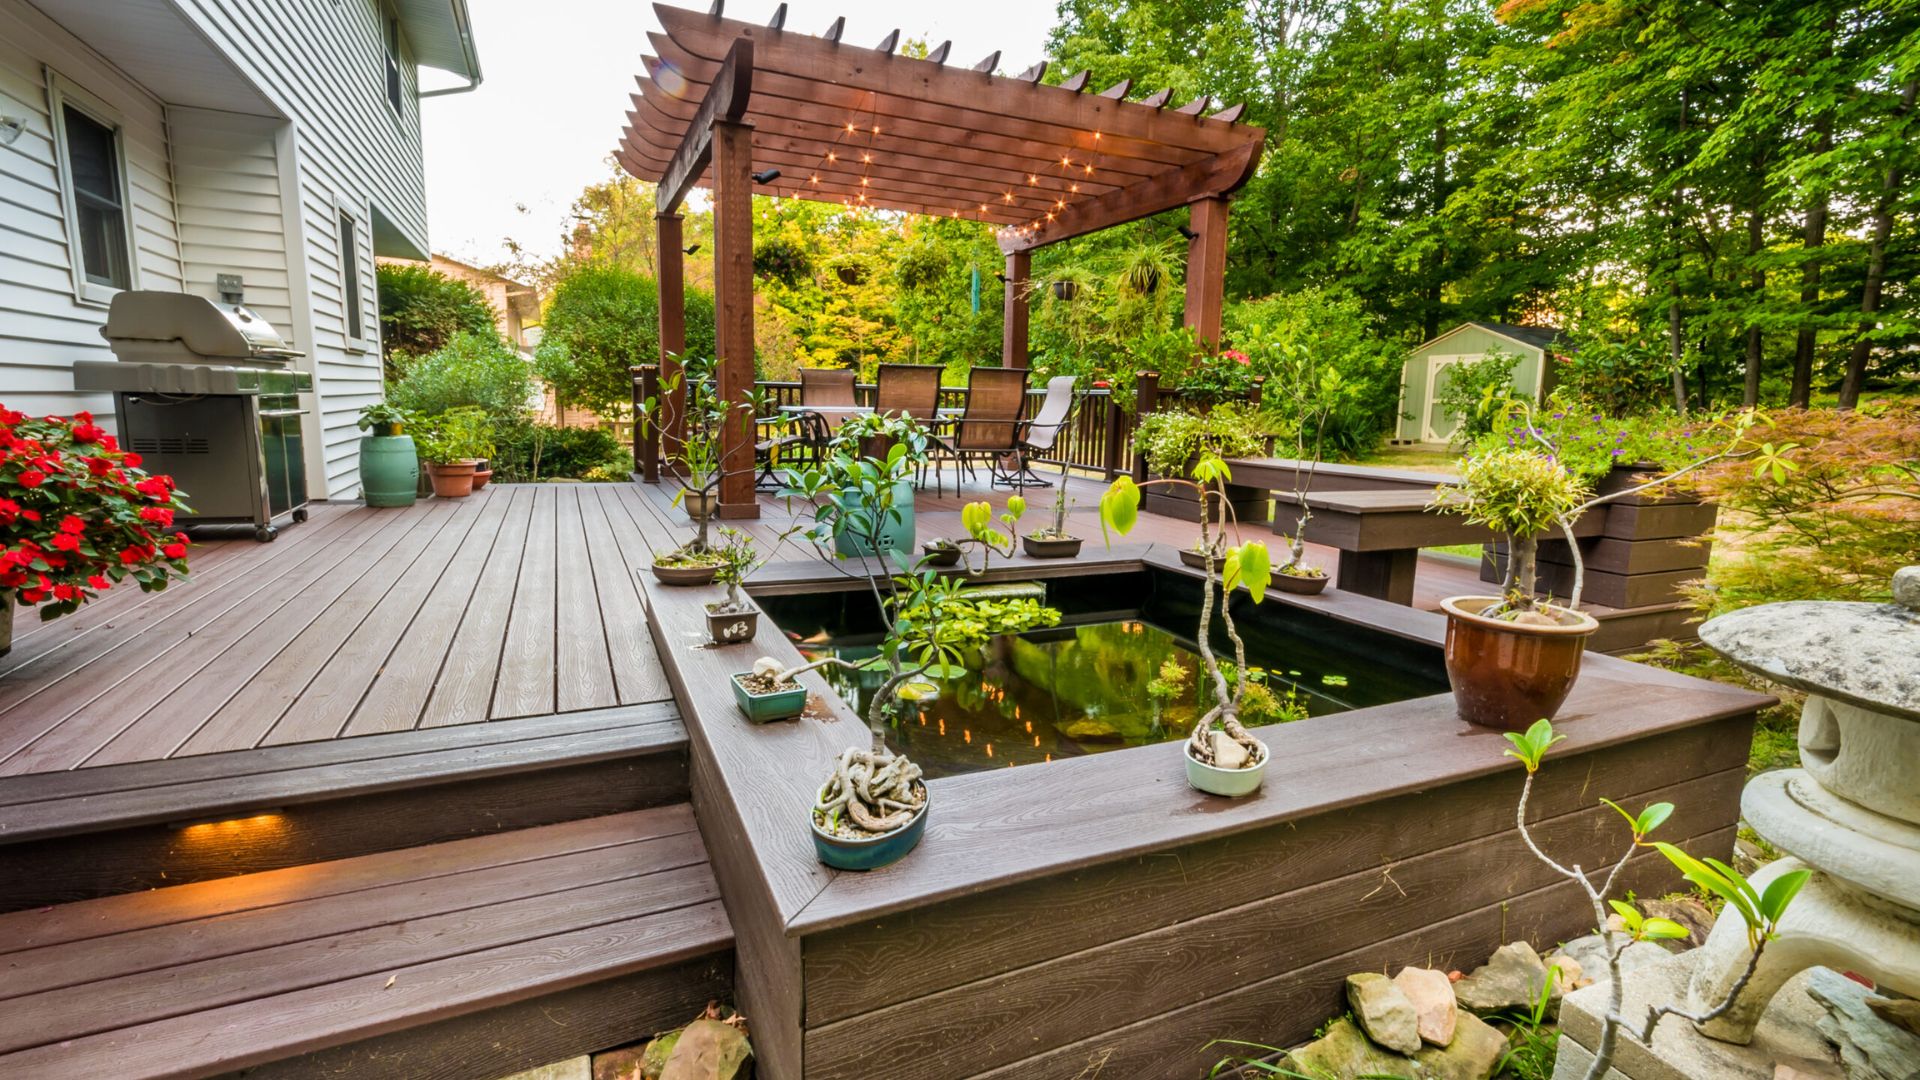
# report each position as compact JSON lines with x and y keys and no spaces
{"x":909,"y":390}
{"x":989,"y":428}
{"x":831,"y":388}
{"x":1038,"y":438}
{"x":788,"y":441}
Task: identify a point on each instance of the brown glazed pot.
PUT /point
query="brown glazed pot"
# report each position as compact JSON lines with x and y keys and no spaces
{"x":1507,"y":676}
{"x":685,"y":575}
{"x":1055,"y":547}
{"x":453,"y":480}
{"x":1298,"y":585}
{"x":1199,"y":562}
{"x":697,"y":504}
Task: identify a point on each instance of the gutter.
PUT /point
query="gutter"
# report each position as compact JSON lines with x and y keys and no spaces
{"x":464,"y":25}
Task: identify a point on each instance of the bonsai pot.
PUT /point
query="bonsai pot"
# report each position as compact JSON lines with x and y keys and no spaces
{"x":1199,"y":562}
{"x":1051,"y":547}
{"x":1231,"y":783}
{"x":732,"y":627}
{"x":941,"y":554}
{"x":762,"y":708}
{"x":869,"y":852}
{"x":452,"y":480}
{"x":1299,"y":584}
{"x":685,"y":575}
{"x":1508,"y":675}
{"x":389,"y":469}
{"x":698,"y":504}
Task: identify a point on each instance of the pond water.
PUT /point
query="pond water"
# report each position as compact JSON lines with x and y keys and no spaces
{"x":1083,"y":687}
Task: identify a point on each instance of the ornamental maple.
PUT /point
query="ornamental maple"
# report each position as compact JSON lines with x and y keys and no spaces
{"x":78,"y":516}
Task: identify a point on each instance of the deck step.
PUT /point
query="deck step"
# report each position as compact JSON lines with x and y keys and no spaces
{"x":472,"y":958}
{"x":94,"y":832}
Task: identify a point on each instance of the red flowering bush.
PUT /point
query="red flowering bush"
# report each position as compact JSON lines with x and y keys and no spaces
{"x":78,"y":516}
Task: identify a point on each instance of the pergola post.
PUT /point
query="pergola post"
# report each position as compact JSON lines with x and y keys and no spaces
{"x":1013,"y":335}
{"x":670,"y":280}
{"x":1206,"y":267}
{"x":733,"y":313}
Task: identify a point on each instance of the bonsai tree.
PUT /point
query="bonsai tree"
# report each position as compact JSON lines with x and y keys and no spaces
{"x":1760,"y":911}
{"x":1521,"y":483}
{"x":1218,"y":739}
{"x":1303,"y":394}
{"x":873,"y":790}
{"x":78,"y":517}
{"x":737,"y":560}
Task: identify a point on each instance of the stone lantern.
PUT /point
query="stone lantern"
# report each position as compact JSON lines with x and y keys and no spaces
{"x":1850,"y":813}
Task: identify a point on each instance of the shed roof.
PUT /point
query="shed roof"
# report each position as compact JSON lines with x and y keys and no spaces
{"x":1540,"y":338}
{"x":869,"y":127}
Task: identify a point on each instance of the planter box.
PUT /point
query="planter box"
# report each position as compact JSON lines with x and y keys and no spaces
{"x":1252,"y":506}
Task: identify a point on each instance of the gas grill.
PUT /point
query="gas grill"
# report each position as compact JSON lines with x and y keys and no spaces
{"x":204,"y":392}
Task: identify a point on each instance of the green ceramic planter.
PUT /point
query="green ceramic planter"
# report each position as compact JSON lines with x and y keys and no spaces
{"x":764,"y":708}
{"x":896,"y":534}
{"x":389,"y":470}
{"x":1232,"y":783}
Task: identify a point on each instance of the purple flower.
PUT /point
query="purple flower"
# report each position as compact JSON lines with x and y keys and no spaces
{"x":1617,"y":453}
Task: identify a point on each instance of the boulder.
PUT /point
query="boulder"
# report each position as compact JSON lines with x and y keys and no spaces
{"x":1384,"y":1012}
{"x":1476,"y":1049}
{"x":1508,"y":983}
{"x":1431,"y":993}
{"x":1900,"y":1012}
{"x":708,"y":1050}
{"x":1870,"y":1048}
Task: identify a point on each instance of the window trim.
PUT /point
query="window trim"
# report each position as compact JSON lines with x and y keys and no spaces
{"x":62,"y":94}
{"x":393,"y":80}
{"x":368,"y":339}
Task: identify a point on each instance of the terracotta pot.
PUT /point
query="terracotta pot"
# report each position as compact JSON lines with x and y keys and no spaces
{"x":1300,"y":586}
{"x":453,"y":480}
{"x":1507,"y":675}
{"x":1052,"y":547}
{"x":480,"y":478}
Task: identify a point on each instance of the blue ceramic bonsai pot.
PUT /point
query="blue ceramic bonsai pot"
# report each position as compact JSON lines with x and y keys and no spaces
{"x":869,"y":853}
{"x":762,"y":708}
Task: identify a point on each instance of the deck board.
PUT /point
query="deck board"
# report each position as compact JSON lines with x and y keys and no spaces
{"x":526,"y":679}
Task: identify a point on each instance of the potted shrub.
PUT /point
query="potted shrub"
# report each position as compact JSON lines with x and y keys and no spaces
{"x":482,"y":472}
{"x":453,"y":444}
{"x":78,"y":517}
{"x":1173,"y":440}
{"x":1513,"y":658}
{"x":940,"y":552}
{"x":735,"y":619}
{"x":863,"y":493}
{"x":1053,"y":541}
{"x":1222,"y":756}
{"x":389,"y":461}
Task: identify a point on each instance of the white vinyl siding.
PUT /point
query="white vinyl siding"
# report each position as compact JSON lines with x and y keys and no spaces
{"x":44,"y":326}
{"x":324,"y":63}
{"x":226,"y":170}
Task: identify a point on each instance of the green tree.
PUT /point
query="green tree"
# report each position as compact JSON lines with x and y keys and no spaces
{"x":602,"y":320}
{"x":421,"y":309}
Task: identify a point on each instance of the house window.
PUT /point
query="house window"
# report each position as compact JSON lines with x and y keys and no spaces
{"x":393,"y":65}
{"x":97,"y":225}
{"x":350,"y":277}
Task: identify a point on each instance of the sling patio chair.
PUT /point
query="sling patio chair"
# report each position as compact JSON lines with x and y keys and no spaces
{"x":909,"y":390}
{"x":1038,"y":437}
{"x":787,"y":441}
{"x":829,"y":388}
{"x":989,"y":427}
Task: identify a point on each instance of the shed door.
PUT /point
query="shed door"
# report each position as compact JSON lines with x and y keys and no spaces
{"x":1437,"y":423}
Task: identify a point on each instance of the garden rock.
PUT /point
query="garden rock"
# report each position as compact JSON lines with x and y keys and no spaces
{"x":1509,"y":982}
{"x":1572,"y":976}
{"x":642,"y":1061}
{"x":1902,"y":1012}
{"x":1384,"y":1012}
{"x":1229,"y":754}
{"x":571,"y":1069}
{"x":1590,"y":953}
{"x":1431,"y":994}
{"x":1688,"y":912}
{"x":708,"y":1050}
{"x":1345,"y":1053}
{"x":1870,"y":1048}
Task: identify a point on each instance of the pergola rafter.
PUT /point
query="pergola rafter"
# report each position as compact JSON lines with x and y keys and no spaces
{"x":868,"y":128}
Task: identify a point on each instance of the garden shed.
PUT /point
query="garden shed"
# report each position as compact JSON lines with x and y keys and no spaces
{"x":1429,"y":365}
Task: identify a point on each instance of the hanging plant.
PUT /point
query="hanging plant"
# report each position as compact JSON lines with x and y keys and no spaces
{"x":1066,"y":290}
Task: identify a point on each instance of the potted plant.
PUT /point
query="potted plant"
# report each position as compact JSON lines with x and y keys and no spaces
{"x":389,"y":460}
{"x":734,"y":619}
{"x":871,"y":811}
{"x":1513,"y":658}
{"x":940,"y":552}
{"x":1222,"y":756}
{"x":482,"y":472}
{"x":1171,"y":441}
{"x":863,"y":493}
{"x":453,"y":444}
{"x":78,"y":517}
{"x":1305,"y":400}
{"x":1053,"y":541}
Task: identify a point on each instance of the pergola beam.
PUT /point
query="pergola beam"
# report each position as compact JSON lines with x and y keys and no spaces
{"x":1168,"y":191}
{"x":725,"y":100}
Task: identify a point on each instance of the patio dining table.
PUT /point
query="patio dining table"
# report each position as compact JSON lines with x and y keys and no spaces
{"x":836,"y":413}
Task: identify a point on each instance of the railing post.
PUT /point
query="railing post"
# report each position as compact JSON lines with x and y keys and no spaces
{"x":646,"y":429}
{"x":1146,"y":398}
{"x":1113,"y":453}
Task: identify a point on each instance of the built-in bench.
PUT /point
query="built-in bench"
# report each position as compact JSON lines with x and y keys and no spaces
{"x":470,"y":958}
{"x":93,"y":832}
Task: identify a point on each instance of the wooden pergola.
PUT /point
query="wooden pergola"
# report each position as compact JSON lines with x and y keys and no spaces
{"x":735,"y":107}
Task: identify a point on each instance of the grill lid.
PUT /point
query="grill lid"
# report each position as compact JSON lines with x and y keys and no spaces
{"x":148,"y":325}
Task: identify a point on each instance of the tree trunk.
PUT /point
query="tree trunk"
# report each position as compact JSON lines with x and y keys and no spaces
{"x":1756,"y":240}
{"x":1862,"y":349}
{"x":1816,"y":238}
{"x":1676,"y":345}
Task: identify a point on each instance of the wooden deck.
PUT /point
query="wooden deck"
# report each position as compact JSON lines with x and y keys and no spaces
{"x":520,"y":601}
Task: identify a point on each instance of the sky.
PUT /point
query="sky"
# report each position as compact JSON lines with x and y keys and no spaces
{"x":508,"y":159}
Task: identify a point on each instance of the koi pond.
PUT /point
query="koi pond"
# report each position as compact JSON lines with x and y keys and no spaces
{"x":1120,"y":669}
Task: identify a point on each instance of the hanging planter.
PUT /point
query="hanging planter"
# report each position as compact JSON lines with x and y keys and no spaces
{"x":1066,"y":290}
{"x":850,"y":273}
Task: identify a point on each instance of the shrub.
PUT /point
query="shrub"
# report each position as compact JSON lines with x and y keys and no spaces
{"x":1476,"y":394}
{"x":1170,"y":439}
{"x":77,"y":516}
{"x":528,"y":452}
{"x":1620,"y":377}
{"x":601,"y":322}
{"x":470,"y":370}
{"x":422,"y":309}
{"x":1336,"y":330}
